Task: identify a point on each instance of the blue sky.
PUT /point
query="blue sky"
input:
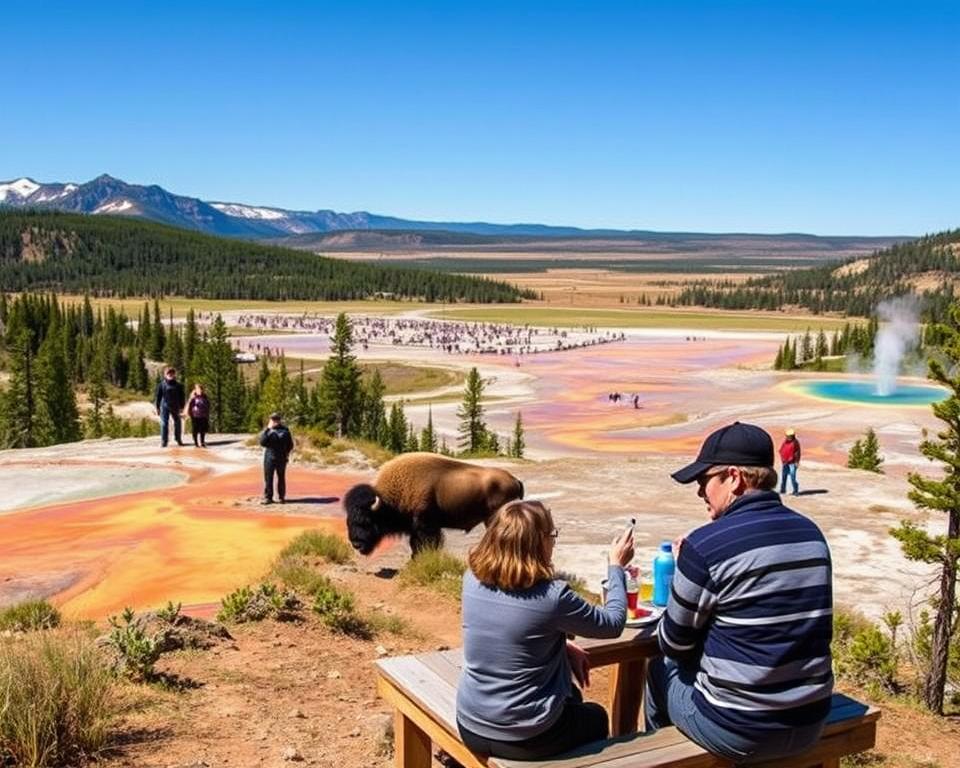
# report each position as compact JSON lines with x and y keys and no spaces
{"x":827,"y":117}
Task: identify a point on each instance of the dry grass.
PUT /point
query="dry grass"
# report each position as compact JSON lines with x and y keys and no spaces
{"x":435,"y":569}
{"x":57,"y":698}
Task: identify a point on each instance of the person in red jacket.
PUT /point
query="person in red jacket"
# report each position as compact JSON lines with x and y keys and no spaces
{"x":790,"y":458}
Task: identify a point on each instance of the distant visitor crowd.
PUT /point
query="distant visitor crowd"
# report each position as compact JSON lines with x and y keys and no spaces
{"x":451,"y":337}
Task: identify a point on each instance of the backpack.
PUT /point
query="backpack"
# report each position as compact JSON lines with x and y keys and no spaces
{"x":200,"y":409}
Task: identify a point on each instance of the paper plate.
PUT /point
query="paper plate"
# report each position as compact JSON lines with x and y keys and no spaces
{"x":643,"y":621}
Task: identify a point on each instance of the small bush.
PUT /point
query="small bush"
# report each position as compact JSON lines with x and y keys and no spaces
{"x":246,"y":604}
{"x":56,"y":699}
{"x":436,"y":569}
{"x":394,"y":625}
{"x":865,"y":453}
{"x":337,"y":609}
{"x":170,"y":612}
{"x":299,"y":576}
{"x":29,"y":616}
{"x":135,"y":651}
{"x":318,"y":544}
{"x":862,"y":653}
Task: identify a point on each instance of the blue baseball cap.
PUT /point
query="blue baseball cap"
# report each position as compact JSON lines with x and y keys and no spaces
{"x":736,"y":445}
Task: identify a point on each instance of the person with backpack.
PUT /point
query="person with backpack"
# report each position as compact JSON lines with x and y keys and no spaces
{"x":169,"y":399}
{"x":277,"y":444}
{"x":199,"y":411}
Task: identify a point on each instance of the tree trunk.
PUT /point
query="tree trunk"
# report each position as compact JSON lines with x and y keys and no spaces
{"x":940,"y":648}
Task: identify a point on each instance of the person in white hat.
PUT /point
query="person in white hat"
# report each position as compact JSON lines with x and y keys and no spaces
{"x":790,"y":458}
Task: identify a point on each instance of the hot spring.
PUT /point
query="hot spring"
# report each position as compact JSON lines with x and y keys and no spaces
{"x":866,"y":393}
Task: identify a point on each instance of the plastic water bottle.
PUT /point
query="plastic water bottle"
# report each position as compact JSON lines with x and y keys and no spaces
{"x":663,"y":568}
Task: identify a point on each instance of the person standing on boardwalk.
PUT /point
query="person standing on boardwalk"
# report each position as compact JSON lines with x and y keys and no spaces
{"x":169,"y":399}
{"x":277,"y":444}
{"x":790,"y":458}
{"x":198,"y":409}
{"x":747,"y":670}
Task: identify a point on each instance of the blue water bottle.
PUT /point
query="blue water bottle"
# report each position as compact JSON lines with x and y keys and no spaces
{"x":663,"y":568}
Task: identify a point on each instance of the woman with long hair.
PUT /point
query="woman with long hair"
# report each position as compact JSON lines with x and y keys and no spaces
{"x":516,"y":697}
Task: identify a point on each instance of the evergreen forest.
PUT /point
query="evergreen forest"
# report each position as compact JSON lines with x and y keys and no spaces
{"x":846,"y":288}
{"x":113,"y":256}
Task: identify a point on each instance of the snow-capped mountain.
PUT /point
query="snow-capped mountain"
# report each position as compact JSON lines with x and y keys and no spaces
{"x":108,"y":195}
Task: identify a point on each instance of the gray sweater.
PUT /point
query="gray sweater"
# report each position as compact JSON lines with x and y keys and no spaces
{"x":516,"y":677}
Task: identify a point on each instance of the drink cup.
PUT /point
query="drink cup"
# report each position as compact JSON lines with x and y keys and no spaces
{"x":603,"y":592}
{"x":632,"y":600}
{"x":646,"y":586}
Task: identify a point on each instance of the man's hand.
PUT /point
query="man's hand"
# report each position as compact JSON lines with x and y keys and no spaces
{"x":579,"y":663}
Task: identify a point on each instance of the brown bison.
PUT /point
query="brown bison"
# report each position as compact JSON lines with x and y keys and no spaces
{"x":420,"y":494}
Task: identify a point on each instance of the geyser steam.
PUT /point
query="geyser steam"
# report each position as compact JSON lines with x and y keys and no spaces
{"x":899,"y":329}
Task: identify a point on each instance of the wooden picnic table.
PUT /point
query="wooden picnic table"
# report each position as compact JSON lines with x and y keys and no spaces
{"x":422,"y":688}
{"x":628,"y":654}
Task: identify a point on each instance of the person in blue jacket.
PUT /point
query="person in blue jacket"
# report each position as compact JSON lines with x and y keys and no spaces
{"x":277,"y":445}
{"x":747,"y":671}
{"x":516,"y":697}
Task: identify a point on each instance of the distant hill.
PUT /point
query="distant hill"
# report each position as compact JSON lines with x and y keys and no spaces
{"x":108,"y":195}
{"x":928,"y":267}
{"x":108,"y":255}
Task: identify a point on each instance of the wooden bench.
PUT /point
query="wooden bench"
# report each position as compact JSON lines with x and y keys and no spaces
{"x":423,"y":691}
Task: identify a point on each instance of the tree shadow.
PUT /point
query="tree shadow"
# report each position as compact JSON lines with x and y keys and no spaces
{"x":223,"y":441}
{"x":170,"y":681}
{"x":128,"y":737}
{"x":813,"y":492}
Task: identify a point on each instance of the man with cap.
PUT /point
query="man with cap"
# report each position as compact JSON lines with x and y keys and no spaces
{"x":790,"y":458}
{"x":277,"y":444}
{"x":746,"y":672}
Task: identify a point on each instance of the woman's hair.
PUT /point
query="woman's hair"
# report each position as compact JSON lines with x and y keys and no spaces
{"x":512,"y":553}
{"x":198,"y":385}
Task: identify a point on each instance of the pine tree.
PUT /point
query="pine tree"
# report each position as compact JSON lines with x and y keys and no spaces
{"x":396,"y":428}
{"x":19,"y":402}
{"x":340,"y":383}
{"x":217,"y":370}
{"x":865,"y":453}
{"x":96,"y":393}
{"x":806,"y":347}
{"x":158,"y":337}
{"x":191,"y":338}
{"x":411,"y":444}
{"x":428,"y":438}
{"x":778,"y":360}
{"x":57,"y":415}
{"x":374,"y":414}
{"x":940,"y":495}
{"x":473,"y":429}
{"x":518,"y":444}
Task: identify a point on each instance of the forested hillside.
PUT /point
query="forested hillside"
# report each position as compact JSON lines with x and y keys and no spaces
{"x":104,"y":256}
{"x":927,"y":267}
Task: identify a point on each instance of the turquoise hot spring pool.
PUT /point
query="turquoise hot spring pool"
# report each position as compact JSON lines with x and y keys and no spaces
{"x":865,"y":392}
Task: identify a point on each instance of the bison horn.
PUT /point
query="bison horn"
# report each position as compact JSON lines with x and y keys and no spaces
{"x":376,"y":504}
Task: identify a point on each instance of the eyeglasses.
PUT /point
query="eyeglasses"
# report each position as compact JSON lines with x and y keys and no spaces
{"x":554,"y":533}
{"x":705,"y":478}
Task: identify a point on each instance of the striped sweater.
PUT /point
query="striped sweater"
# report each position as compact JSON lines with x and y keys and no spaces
{"x":752,"y":609}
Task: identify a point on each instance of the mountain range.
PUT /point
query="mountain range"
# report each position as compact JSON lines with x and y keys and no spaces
{"x":108,"y":195}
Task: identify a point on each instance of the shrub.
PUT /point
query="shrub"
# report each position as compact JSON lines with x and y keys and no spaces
{"x":135,"y":651}
{"x":297,"y":575}
{"x":318,"y":544}
{"x":865,"y":453}
{"x":170,"y":612}
{"x":28,"y":616}
{"x":862,"y":653}
{"x":436,"y":569}
{"x":337,"y":609}
{"x":56,"y":694}
{"x":246,"y":604}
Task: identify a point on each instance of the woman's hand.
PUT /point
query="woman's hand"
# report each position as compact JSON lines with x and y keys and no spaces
{"x":621,"y":551}
{"x":579,"y":663}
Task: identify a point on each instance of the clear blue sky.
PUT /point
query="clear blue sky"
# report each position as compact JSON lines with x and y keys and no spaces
{"x":828,"y":117}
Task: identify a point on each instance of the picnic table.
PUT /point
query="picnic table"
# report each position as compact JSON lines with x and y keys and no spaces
{"x":422,"y":688}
